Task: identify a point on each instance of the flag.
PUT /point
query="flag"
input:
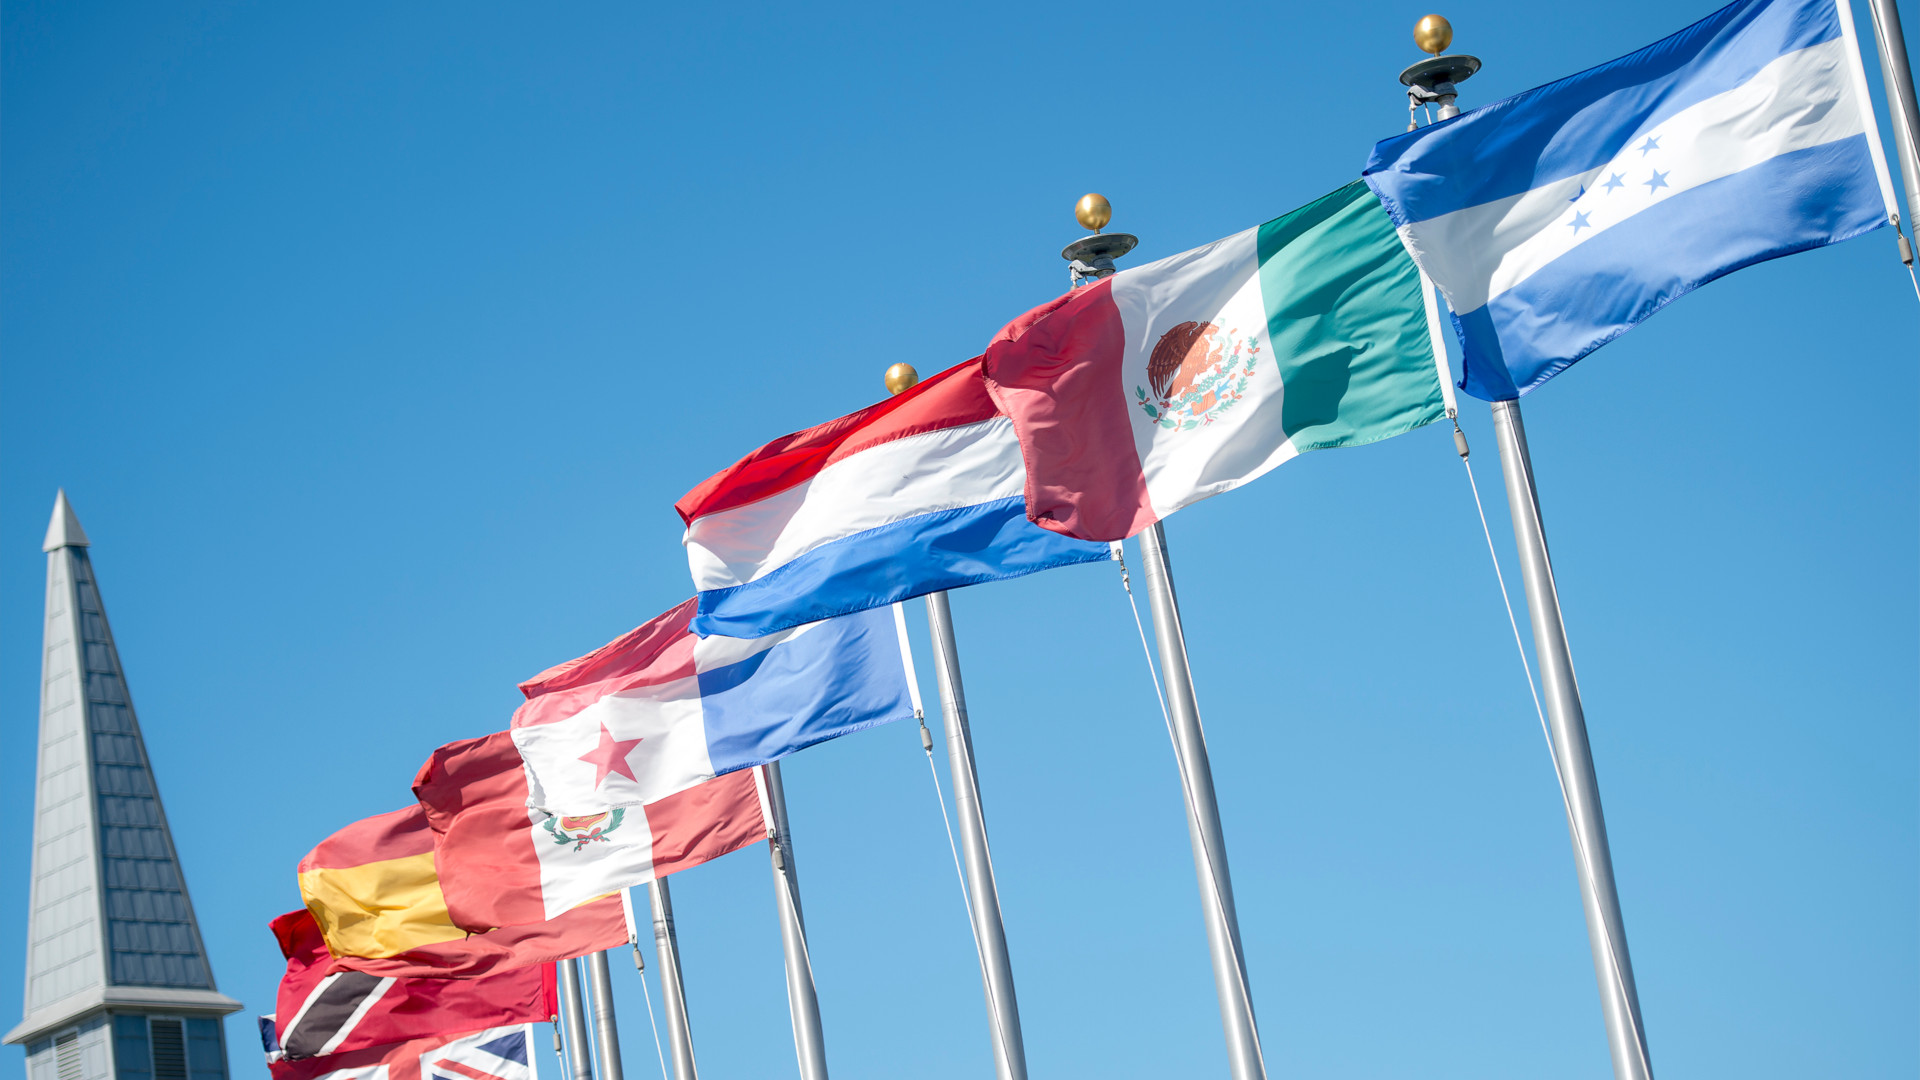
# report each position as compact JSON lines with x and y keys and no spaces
{"x":1559,"y":219}
{"x":496,"y":1053}
{"x":324,"y":1008}
{"x":1183,"y":378}
{"x":502,"y":862}
{"x":376,"y":898}
{"x":661,"y":709}
{"x":919,"y":493}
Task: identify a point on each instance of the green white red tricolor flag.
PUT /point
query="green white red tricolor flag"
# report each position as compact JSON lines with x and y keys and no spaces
{"x":1186,"y":377}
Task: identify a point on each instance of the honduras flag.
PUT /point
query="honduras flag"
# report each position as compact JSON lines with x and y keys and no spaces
{"x":1558,"y":219}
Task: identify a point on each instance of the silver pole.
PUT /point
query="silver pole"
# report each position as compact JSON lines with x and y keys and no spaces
{"x":1244,"y":1059}
{"x":673,"y":992}
{"x":983,"y":894}
{"x":573,"y":1017}
{"x":1900,"y":100}
{"x":803,"y":1003}
{"x":606,"y":1034}
{"x":1606,"y":931}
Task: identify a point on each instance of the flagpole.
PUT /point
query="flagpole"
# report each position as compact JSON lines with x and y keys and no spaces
{"x":606,"y":1034}
{"x":673,"y":992}
{"x":1244,"y":1060}
{"x":573,"y":1018}
{"x":1573,"y":757}
{"x":803,"y":1002}
{"x":983,"y":893}
{"x":1436,"y":80}
{"x":1898,"y":76}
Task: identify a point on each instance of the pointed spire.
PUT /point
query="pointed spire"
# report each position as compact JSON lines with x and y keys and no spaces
{"x":64,"y":530}
{"x":113,"y":947}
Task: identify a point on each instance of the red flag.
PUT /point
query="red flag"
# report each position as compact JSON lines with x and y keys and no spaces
{"x":325,"y":1008}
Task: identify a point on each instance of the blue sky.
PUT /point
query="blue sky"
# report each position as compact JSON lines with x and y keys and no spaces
{"x":374,"y":342}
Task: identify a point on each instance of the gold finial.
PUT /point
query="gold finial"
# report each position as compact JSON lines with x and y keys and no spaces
{"x":901,"y":377}
{"x":1433,"y":34}
{"x":1093,"y":211}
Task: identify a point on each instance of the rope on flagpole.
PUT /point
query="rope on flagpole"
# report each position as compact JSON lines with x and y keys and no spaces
{"x":1206,"y":853}
{"x":940,"y":796}
{"x":647,"y":995}
{"x":1553,"y":756}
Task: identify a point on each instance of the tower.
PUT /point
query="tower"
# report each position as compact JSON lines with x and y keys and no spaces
{"x":118,"y":984}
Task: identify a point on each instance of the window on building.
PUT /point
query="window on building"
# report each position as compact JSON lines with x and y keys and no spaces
{"x":66,"y":1056}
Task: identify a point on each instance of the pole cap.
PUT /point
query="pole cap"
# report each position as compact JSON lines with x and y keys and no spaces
{"x":1093,"y":211}
{"x":1433,"y":33}
{"x":901,"y":377}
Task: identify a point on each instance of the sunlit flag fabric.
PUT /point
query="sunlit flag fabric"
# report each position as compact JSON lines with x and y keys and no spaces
{"x":502,"y":862}
{"x":661,"y":709}
{"x":1183,"y":378}
{"x":1559,"y":219}
{"x":919,"y":493}
{"x":325,"y":1008}
{"x":497,"y":1053}
{"x":376,"y":898}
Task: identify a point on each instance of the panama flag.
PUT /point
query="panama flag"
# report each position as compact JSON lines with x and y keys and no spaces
{"x":1183,"y":378}
{"x":919,"y":493}
{"x":498,"y":1053}
{"x":1559,"y":219}
{"x":504,"y":863}
{"x":661,"y":709}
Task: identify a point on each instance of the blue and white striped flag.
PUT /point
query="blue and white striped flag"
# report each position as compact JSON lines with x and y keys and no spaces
{"x":1558,"y":219}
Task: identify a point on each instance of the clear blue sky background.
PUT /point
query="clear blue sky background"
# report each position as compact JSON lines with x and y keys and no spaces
{"x":373,"y":343}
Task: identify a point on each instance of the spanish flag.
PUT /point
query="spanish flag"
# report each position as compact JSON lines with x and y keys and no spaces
{"x":375,"y":895}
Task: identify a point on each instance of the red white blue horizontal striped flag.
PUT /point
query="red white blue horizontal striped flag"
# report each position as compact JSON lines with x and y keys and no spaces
{"x":922,"y":492}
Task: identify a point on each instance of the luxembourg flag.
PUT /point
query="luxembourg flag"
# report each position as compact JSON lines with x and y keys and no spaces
{"x":1560,"y":218}
{"x":919,"y":493}
{"x":661,"y":709}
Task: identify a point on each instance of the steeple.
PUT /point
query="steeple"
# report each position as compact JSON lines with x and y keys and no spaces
{"x":118,"y":984}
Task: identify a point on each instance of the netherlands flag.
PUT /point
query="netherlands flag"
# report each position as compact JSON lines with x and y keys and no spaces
{"x":922,"y":492}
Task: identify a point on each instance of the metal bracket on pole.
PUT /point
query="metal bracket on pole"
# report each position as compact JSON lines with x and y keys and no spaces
{"x":1606,"y":930}
{"x":1244,"y":1058}
{"x":983,"y":896}
{"x":673,"y":991}
{"x":803,"y":1002}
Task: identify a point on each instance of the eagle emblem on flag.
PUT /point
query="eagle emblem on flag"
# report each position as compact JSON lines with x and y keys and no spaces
{"x":584,"y":829}
{"x":1196,"y":372}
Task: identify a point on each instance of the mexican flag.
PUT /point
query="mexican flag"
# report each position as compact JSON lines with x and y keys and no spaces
{"x":1166,"y":383}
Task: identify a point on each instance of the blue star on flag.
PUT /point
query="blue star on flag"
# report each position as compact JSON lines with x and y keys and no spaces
{"x":1659,"y":180}
{"x":1579,"y":222}
{"x":1650,"y":145}
{"x":1613,"y":181}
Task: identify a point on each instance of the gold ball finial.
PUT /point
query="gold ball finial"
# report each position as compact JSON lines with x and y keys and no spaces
{"x":1433,"y":34}
{"x":1093,"y":211}
{"x":901,"y":377}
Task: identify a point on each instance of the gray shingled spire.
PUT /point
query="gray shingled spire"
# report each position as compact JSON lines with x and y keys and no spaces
{"x":118,"y":984}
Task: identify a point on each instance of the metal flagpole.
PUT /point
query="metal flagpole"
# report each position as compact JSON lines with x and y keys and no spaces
{"x":606,"y":1035}
{"x":673,"y":992}
{"x":1900,"y":102}
{"x":803,"y":1003}
{"x":573,"y":1018}
{"x":1606,"y":930}
{"x":1244,"y":1058}
{"x":1434,"y":81}
{"x":983,"y":894}
{"x":1091,"y":258}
